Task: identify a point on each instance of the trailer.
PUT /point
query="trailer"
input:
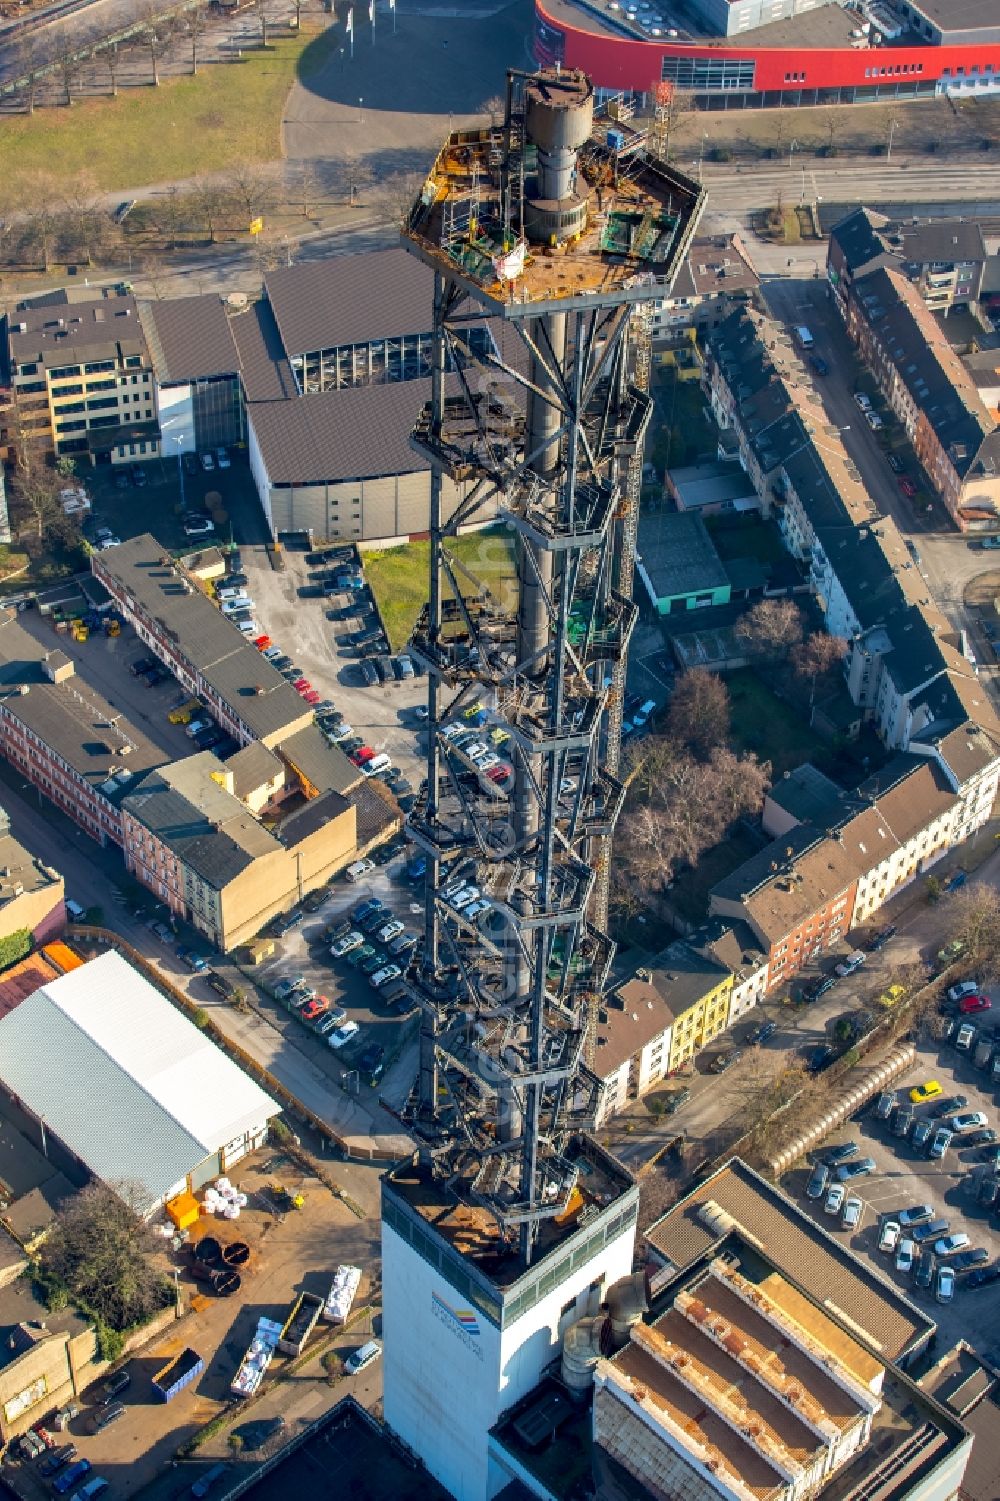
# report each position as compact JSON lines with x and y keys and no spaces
{"x":341,"y":1296}
{"x":257,"y":1358}
{"x":300,"y":1323}
{"x":177,"y":1374}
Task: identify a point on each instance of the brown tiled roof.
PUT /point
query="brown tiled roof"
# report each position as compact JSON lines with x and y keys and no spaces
{"x":643,"y":1016}
{"x":818,"y":870}
{"x":378,"y":813}
{"x":916,"y":802}
{"x":350,"y":299}
{"x":803,"y":1253}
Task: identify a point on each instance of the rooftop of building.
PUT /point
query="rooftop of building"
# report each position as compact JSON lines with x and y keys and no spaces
{"x":327,"y":436}
{"x":960,"y":1379}
{"x":318,"y":763}
{"x":629,"y":1019}
{"x":471,"y":1229}
{"x":566,"y":1456}
{"x":232,"y":666}
{"x":678,"y":554}
{"x":813,"y":29}
{"x":981,"y":1481}
{"x":267,"y":375}
{"x":252,"y":767}
{"x":346,"y":1453}
{"x":208,"y":828}
{"x":911,"y":802}
{"x":719,"y":265}
{"x":730,"y":942}
{"x":24,"y":1319}
{"x":69,"y":333}
{"x":711,"y":484}
{"x":855,"y":1295}
{"x":350,"y":299}
{"x":859,"y":237}
{"x":789,"y":880}
{"x":941,"y":240}
{"x":71,"y":717}
{"x":807,"y":794}
{"x":958,"y":15}
{"x":23,"y":979}
{"x":190,"y":338}
{"x":20,"y":869}
{"x":935,"y":378}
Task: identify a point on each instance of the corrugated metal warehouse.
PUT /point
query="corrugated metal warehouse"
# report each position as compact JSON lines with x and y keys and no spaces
{"x":101,"y":1060}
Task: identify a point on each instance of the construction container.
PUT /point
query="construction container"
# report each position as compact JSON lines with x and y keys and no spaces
{"x":341,"y":1296}
{"x":184,"y":1210}
{"x":177,"y":1374}
{"x":300,"y":1323}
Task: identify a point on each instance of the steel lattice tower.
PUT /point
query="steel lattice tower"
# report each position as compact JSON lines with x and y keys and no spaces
{"x":549,"y":232}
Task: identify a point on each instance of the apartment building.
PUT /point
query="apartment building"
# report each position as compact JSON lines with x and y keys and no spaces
{"x":32,"y":894}
{"x":192,"y":840}
{"x":717,"y":277}
{"x":797,"y":897}
{"x":944,"y":259}
{"x":930,"y":391}
{"x":82,"y":377}
{"x":734,"y":946}
{"x":64,"y":737}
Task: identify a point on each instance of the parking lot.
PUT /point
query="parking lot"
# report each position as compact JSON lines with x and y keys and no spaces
{"x":292,"y":611}
{"x":906,"y":1176}
{"x":289,"y":1253}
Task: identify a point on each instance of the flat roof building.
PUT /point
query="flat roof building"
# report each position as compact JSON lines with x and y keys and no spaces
{"x":141,"y":1097}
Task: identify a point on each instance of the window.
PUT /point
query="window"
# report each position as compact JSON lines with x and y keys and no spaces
{"x":31,"y":387}
{"x":63,"y":371}
{"x":102,"y":401}
{"x":102,"y":385}
{"x":96,"y":368}
{"x":70,"y":427}
{"x":133,"y":361}
{"x":111,"y":421}
{"x":71,"y":406}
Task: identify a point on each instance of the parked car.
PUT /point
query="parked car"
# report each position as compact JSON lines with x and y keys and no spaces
{"x":343,"y":1035}
{"x":106,"y":1414}
{"x":940,"y":1142}
{"x":851,"y":963}
{"x":926,"y":1267}
{"x":970,"y":1120}
{"x":850,"y":1216}
{"x":834,"y":1201}
{"x":56,"y":1459}
{"x":68,"y":1478}
{"x":949,"y":1244}
{"x":368,"y":1353}
{"x":921,"y":1093}
{"x":983,"y":1276}
{"x":383,"y":976}
{"x":885,"y":1105}
{"x":974,"y":1003}
{"x":206,"y":1482}
{"x":965,"y":1037}
{"x":819,"y":1179}
{"x":842,"y":1153}
{"x":950,"y":1103}
{"x":889,"y":1236}
{"x":959,"y":992}
{"x":944,"y":1289}
{"x":917,"y":1214}
{"x":762,"y":1032}
{"x":848,"y":1171}
{"x":931,"y":1231}
{"x":966,"y":1261}
{"x":342,"y":946}
{"x":905,"y":1253}
{"x":881,"y":938}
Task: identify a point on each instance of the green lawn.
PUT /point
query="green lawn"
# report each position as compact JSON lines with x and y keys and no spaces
{"x":398,"y":577}
{"x":227,"y":113}
{"x":769,"y":727}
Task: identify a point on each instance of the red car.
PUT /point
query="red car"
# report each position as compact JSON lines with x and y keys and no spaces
{"x":974,"y":1003}
{"x":498,"y":774}
{"x":907,"y":486}
{"x":263,"y":642}
{"x":312,"y":697}
{"x":303,"y":685}
{"x":314,"y":1009}
{"x":365,"y":753}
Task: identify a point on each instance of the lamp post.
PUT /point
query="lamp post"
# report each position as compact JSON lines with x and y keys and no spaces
{"x":361,"y":111}
{"x":892,"y":131}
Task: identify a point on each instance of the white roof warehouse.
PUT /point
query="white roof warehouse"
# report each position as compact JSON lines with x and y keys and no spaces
{"x":127,"y":1084}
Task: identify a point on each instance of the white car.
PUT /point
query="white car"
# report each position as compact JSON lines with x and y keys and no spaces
{"x":945,"y":1288}
{"x":343,"y":1035}
{"x":391,"y":930}
{"x":959,"y":992}
{"x":483,"y":904}
{"x":465,"y":898}
{"x":905,"y":1253}
{"x":207,"y":462}
{"x":342,"y":946}
{"x":835,"y":1199}
{"x":362,"y":1357}
{"x":851,"y":1216}
{"x":969,"y":1120}
{"x":383,"y":976}
{"x":949,"y":1244}
{"x":874,"y":421}
{"x":889,"y":1238}
{"x":851,"y":963}
{"x":863,"y":401}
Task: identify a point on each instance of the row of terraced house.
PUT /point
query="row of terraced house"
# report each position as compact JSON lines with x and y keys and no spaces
{"x":835,"y":857}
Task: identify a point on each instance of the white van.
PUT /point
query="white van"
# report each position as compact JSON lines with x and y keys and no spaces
{"x":358,"y":869}
{"x":236,"y":604}
{"x":378,"y":763}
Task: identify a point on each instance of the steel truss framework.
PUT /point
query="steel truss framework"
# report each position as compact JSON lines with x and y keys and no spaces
{"x":547,"y":420}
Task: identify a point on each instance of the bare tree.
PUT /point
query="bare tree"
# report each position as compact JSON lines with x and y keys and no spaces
{"x":355,"y":176}
{"x":310,"y":186}
{"x":670,"y":105}
{"x":772,"y":626}
{"x":260,"y":9}
{"x":211,"y":201}
{"x":973,"y":917}
{"x":396,"y":195}
{"x":818,"y":656}
{"x":41,"y":221}
{"x":87,"y":228}
{"x":699,"y":711}
{"x":193,"y":23}
{"x":156,"y":37}
{"x":110,"y":56}
{"x":35,"y":494}
{"x":252,"y":188}
{"x":28,"y":64}
{"x":69,"y":71}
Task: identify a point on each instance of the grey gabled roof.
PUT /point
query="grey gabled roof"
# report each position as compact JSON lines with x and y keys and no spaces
{"x":350,"y":299}
{"x":190,"y":338}
{"x":362,"y":433}
{"x":129,"y":1139}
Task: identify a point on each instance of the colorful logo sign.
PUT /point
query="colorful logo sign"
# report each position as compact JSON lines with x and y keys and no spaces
{"x":462,"y":1321}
